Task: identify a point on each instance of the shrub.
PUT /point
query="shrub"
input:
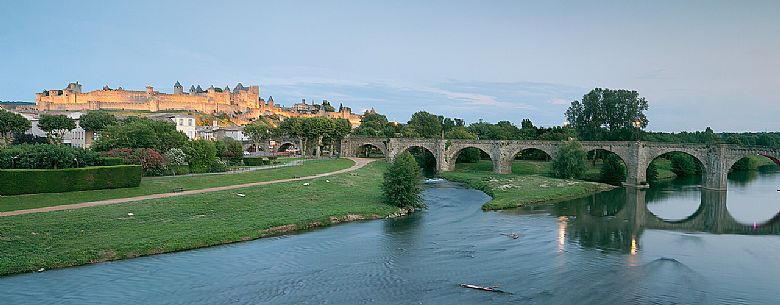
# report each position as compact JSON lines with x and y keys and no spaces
{"x":46,"y":156}
{"x":31,"y":181}
{"x":745,"y":164}
{"x":684,"y":165}
{"x":218,"y":166}
{"x":150,"y":160}
{"x":613,"y":171}
{"x":200,"y":155}
{"x":255,"y":161}
{"x":401,"y":185}
{"x":231,"y":150}
{"x":570,"y":161}
{"x":175,"y":157}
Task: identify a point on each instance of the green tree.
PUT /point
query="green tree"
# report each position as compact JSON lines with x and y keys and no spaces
{"x":11,"y":123}
{"x":136,"y":132}
{"x":259,"y":132}
{"x":570,"y":161}
{"x":652,"y":173}
{"x":341,"y":128}
{"x":613,"y":171}
{"x":401,"y":185}
{"x":684,"y":165}
{"x":606,"y":114}
{"x":460,"y":132}
{"x":316,"y":128}
{"x":201,"y":154}
{"x":427,"y":125}
{"x":293,"y":127}
{"x":95,"y":121}
{"x":372,"y":124}
{"x":56,"y":126}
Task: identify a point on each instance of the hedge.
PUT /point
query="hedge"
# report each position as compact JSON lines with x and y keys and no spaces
{"x":256,"y":161}
{"x":32,"y":181}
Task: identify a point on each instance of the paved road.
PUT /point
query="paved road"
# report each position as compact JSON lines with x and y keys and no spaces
{"x":359,"y":162}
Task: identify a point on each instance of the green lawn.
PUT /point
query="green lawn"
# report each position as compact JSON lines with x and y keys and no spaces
{"x":67,"y":238}
{"x":157,"y":185}
{"x":529,"y":183}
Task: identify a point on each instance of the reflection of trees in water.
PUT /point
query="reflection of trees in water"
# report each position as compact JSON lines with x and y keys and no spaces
{"x":595,"y":224}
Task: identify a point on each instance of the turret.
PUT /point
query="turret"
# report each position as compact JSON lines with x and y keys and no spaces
{"x":177,"y":88}
{"x":192,"y":89}
{"x":227,"y":89}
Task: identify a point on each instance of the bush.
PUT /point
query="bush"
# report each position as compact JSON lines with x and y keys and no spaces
{"x":150,"y":160}
{"x":401,"y":185}
{"x":201,"y":154}
{"x":32,"y":181}
{"x":218,"y":166}
{"x":613,"y":171}
{"x":745,"y":164}
{"x":175,"y":157}
{"x":256,"y":161}
{"x":46,"y":156}
{"x":570,"y":161}
{"x":231,"y":150}
{"x":684,"y":165}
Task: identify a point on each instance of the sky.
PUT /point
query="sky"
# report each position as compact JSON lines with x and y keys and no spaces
{"x":698,"y":63}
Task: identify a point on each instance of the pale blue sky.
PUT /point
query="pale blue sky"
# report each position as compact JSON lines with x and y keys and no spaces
{"x":699,"y":63}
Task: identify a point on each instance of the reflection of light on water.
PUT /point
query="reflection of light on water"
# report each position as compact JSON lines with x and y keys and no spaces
{"x":633,"y":245}
{"x":562,"y":222}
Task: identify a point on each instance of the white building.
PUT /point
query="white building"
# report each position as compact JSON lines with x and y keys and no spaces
{"x":186,"y":124}
{"x":75,"y":137}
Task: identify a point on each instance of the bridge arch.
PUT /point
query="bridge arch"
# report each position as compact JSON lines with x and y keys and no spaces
{"x":455,"y":148}
{"x":284,"y":146}
{"x":366,"y":149}
{"x":452,"y":157}
{"x":512,"y":149}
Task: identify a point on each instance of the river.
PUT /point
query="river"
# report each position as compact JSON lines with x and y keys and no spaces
{"x":671,"y":244}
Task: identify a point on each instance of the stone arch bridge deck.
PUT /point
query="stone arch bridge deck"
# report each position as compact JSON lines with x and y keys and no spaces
{"x":716,"y":159}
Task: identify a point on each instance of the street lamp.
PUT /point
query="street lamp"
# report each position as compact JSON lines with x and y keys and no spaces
{"x":637,"y":124}
{"x":13,"y":161}
{"x":77,"y":162}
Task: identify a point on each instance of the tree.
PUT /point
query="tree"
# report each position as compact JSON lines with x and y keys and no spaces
{"x":606,"y":114}
{"x":427,"y":125}
{"x":570,"y":161}
{"x":200,"y":155}
{"x":316,"y":128}
{"x":94,"y":121}
{"x":56,"y":126}
{"x":341,"y":128}
{"x":293,"y":127}
{"x":401,"y":185}
{"x":11,"y":123}
{"x":652,"y":173}
{"x":684,"y":165}
{"x":372,"y":124}
{"x":140,"y":133}
{"x":460,"y":132}
{"x":613,"y":171}
{"x":259,"y":132}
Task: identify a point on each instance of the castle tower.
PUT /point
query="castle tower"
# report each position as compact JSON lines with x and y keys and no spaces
{"x":177,"y":88}
{"x":227,"y":89}
{"x":192,"y":89}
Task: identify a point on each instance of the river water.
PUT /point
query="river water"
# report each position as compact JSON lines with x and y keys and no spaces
{"x":670,"y":244}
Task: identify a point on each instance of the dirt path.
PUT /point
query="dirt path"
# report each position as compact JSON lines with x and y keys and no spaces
{"x":359,"y":162}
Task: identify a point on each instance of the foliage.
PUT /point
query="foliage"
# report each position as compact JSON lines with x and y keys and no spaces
{"x":200,"y":155}
{"x":23,"y":138}
{"x":503,"y":130}
{"x":33,"y":181}
{"x":175,"y":157}
{"x":46,"y":156}
{"x":316,"y":128}
{"x":374,"y":125}
{"x":607,"y":114}
{"x":401,"y":185}
{"x":96,"y":120}
{"x":110,"y":161}
{"x":613,"y":171}
{"x":231,"y":150}
{"x":55,"y":126}
{"x":218,"y":166}
{"x":469,"y":155}
{"x":152,"y":162}
{"x":426,"y":125}
{"x":460,"y":132}
{"x":256,"y":161}
{"x":570,"y":161}
{"x":11,"y":123}
{"x":258,"y":131}
{"x":684,"y":165}
{"x":137,"y":132}
{"x":652,"y":173}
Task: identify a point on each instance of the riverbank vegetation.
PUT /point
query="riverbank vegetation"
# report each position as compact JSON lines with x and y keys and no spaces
{"x":89,"y":235}
{"x":159,"y":185}
{"x":512,"y":190}
{"x":401,"y":184}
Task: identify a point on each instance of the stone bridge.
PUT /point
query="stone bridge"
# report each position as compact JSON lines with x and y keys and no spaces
{"x":716,"y":160}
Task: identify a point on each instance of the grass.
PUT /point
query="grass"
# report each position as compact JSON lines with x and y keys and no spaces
{"x":526,"y":185}
{"x":76,"y":237}
{"x":158,"y":185}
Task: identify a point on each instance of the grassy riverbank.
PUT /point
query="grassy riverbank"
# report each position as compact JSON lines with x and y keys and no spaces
{"x":76,"y":237}
{"x":529,"y":183}
{"x":159,"y":185}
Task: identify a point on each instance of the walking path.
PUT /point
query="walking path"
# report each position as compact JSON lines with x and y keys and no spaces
{"x":359,"y":162}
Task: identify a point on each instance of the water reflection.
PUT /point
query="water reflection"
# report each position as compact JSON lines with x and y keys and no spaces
{"x":614,"y":221}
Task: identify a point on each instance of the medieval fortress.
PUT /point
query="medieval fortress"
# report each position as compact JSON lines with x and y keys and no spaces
{"x":241,"y":103}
